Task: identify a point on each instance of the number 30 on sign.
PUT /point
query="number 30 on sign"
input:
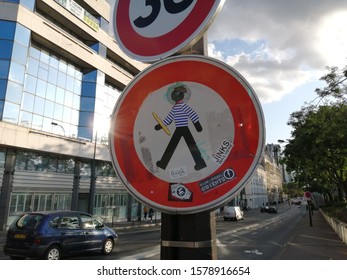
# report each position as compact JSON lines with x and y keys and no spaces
{"x":150,"y":30}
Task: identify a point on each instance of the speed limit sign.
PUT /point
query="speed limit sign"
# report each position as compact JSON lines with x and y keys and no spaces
{"x":149,"y":30}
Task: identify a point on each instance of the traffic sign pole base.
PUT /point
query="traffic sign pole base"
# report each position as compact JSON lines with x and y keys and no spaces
{"x":188,"y":237}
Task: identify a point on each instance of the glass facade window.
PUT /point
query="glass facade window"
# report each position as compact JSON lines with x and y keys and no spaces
{"x":16,"y":72}
{"x":14,"y":94}
{"x":110,"y":205}
{"x":105,"y":169}
{"x":7,"y":30}
{"x":6,"y":49}
{"x":2,"y":158}
{"x":4,"y":69}
{"x":49,"y":92}
{"x":20,"y":203}
{"x":85,"y":169}
{"x":43,"y":163}
{"x":3,"y":85}
{"x":11,"y":112}
{"x":20,"y":52}
{"x":24,"y":202}
{"x":104,"y":104}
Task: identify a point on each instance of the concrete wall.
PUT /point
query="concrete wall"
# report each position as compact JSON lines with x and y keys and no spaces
{"x":339,"y":227}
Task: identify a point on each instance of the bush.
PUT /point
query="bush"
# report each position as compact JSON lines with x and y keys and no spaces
{"x":337,"y":211}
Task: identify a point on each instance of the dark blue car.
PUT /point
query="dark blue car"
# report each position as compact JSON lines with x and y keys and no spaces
{"x":54,"y":235}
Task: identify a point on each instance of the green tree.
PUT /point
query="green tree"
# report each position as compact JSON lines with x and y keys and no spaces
{"x":317,"y":150}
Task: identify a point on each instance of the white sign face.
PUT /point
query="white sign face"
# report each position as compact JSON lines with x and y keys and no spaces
{"x":187,"y":134}
{"x":151,"y":30}
{"x":181,"y":166}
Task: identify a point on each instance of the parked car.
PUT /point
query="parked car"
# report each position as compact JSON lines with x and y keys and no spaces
{"x":54,"y":235}
{"x":232,"y":213}
{"x":268,"y":209}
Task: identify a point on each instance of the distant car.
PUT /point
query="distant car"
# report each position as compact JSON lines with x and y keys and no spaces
{"x":54,"y":235}
{"x":268,"y":209}
{"x":232,"y":213}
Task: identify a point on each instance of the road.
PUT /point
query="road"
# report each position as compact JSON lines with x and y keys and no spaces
{"x":260,"y":236}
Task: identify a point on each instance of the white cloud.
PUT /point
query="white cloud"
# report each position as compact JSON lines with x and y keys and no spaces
{"x":293,"y":41}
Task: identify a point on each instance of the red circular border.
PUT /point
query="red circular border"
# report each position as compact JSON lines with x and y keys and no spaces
{"x":247,"y":120}
{"x":150,"y":47}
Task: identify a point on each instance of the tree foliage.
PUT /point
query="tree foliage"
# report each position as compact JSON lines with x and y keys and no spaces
{"x":317,"y":150}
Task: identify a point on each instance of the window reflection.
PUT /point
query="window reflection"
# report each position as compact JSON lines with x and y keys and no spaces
{"x":28,"y":102}
{"x":6,"y":49}
{"x":19,"y":53}
{"x":11,"y":112}
{"x":51,"y":89}
{"x":4,"y":67}
{"x":16,"y":73}
{"x":30,"y":84}
{"x":58,"y":112}
{"x":33,"y":66}
{"x":2,"y":158}
{"x":3,"y":85}
{"x":50,"y":93}
{"x":49,"y":108}
{"x":22,"y":35}
{"x":43,"y":162}
{"x":7,"y":29}
{"x":37,"y":122}
{"x":39,"y":105}
{"x":14,"y":92}
{"x":26,"y":119}
{"x":41,"y":88}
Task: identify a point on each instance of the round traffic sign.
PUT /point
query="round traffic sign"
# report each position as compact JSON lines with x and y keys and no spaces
{"x":307,"y":195}
{"x":187,"y":134}
{"x":151,"y":30}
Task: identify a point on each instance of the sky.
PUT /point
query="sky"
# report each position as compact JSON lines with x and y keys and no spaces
{"x":281,"y":48}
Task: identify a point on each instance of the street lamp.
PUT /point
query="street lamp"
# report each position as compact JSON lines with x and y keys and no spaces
{"x":56,"y":124}
{"x":92,"y":180}
{"x":99,"y":129}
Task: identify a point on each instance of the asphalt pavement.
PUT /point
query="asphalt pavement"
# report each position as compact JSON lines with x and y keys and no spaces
{"x":313,"y":240}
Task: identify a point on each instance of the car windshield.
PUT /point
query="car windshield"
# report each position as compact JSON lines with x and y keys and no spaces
{"x":29,"y":221}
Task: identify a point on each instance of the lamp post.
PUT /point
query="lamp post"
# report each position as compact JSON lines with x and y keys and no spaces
{"x":282,"y":164}
{"x":100,"y":129}
{"x":92,"y":180}
{"x":56,"y":124}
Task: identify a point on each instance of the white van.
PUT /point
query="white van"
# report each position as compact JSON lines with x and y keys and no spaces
{"x":232,"y":213}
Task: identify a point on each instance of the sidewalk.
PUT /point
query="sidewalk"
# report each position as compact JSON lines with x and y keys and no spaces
{"x":316,"y":242}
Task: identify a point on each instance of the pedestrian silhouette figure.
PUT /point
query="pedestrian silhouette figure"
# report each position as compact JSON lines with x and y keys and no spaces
{"x":180,"y":114}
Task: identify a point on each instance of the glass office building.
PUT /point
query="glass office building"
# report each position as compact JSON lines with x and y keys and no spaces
{"x":61,"y":72}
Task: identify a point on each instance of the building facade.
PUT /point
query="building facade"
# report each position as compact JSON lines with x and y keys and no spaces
{"x":61,"y":72}
{"x":266,"y":185}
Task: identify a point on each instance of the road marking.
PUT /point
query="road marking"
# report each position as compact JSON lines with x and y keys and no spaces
{"x":144,"y":255}
{"x":256,"y":252}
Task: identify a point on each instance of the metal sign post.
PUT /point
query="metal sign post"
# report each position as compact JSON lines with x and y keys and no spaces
{"x":308,"y":198}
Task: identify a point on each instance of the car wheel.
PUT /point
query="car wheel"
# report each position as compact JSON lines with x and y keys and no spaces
{"x":53,"y":253}
{"x":107,"y":247}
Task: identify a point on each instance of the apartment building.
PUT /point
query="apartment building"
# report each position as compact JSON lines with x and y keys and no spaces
{"x":61,"y":72}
